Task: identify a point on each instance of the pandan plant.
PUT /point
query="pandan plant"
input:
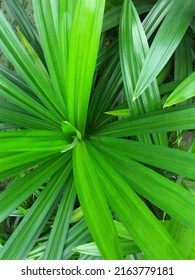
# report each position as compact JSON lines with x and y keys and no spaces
{"x":97,"y":130}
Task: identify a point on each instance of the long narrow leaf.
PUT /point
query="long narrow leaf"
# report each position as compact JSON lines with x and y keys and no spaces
{"x":24,"y":237}
{"x":167,"y":39}
{"x":25,"y":66}
{"x":134,"y":214}
{"x":156,"y":15}
{"x":154,"y":187}
{"x":133,"y":50}
{"x":79,"y":34}
{"x":15,"y":94}
{"x":160,"y":121}
{"x":180,"y":162}
{"x":17,"y":192}
{"x":25,"y":24}
{"x":47,"y":21}
{"x":55,"y":245}
{"x":33,"y":140}
{"x":94,"y":205}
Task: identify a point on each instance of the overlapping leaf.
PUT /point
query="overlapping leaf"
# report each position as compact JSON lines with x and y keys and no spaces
{"x":133,"y":213}
{"x":166,"y":40}
{"x":133,"y":50}
{"x":54,"y":248}
{"x":159,"y":121}
{"x":94,"y":204}
{"x":24,"y":237}
{"x":79,"y":34}
{"x":25,"y":66}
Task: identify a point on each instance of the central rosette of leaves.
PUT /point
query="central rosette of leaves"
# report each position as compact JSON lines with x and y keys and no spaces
{"x":72,"y":135}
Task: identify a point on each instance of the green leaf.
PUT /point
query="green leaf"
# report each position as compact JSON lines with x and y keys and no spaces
{"x":34,"y":140}
{"x":14,"y":163}
{"x":183,"y":61}
{"x":69,"y":130}
{"x":25,"y":66}
{"x":179,"y":162}
{"x":106,"y":52}
{"x":166,"y":41}
{"x":16,"y":79}
{"x":46,"y":15}
{"x":132,"y":212}
{"x":112,"y":15}
{"x":37,"y":140}
{"x":182,"y":118}
{"x":77,"y":215}
{"x":184,"y":91}
{"x":94,"y":204}
{"x":33,"y":55}
{"x":79,"y":34}
{"x":15,"y":94}
{"x":58,"y":235}
{"x":22,"y":120}
{"x":108,"y":89}
{"x":128,"y":247}
{"x":156,"y":15}
{"x":119,"y":113}
{"x":24,"y":237}
{"x":133,"y":48}
{"x":165,"y":194}
{"x":184,"y":236}
{"x":25,"y":25}
{"x":168,"y":87}
{"x":18,"y":191}
{"x":78,"y":234}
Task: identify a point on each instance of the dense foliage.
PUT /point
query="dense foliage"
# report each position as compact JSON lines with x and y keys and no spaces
{"x":97,"y":134}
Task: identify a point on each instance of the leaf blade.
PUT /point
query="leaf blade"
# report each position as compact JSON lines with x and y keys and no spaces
{"x":183,"y":91}
{"x":94,"y":205}
{"x":165,"y":43}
